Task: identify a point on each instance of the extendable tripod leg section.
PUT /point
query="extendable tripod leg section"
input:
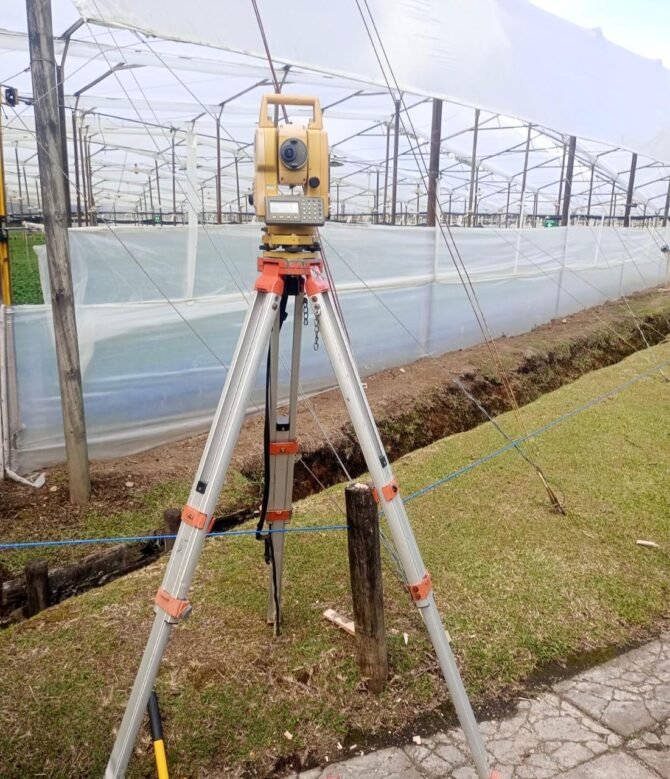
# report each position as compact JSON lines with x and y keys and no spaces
{"x":171,"y":600}
{"x":283,"y":447}
{"x":419,"y":581}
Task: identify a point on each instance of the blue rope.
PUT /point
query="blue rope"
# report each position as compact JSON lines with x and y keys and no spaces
{"x":323,"y":528}
{"x":129,"y":539}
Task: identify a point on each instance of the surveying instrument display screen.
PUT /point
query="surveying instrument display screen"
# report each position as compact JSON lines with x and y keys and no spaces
{"x":293,"y":276}
{"x":294,"y":210}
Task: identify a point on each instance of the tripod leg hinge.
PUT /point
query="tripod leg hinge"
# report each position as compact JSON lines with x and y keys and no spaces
{"x":284,"y":447}
{"x":196,"y":519}
{"x":421,"y":590}
{"x":174,"y":607}
{"x":278,"y":516}
{"x":269,"y":281}
{"x":389,"y":491}
{"x":316,"y":283}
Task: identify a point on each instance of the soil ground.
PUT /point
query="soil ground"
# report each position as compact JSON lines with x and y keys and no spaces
{"x":413,"y":405}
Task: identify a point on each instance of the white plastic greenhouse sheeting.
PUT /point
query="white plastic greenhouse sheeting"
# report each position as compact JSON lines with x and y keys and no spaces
{"x":149,"y":378}
{"x":506,"y":56}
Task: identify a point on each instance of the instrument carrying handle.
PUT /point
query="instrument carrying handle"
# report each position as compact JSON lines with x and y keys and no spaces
{"x":298,"y":100}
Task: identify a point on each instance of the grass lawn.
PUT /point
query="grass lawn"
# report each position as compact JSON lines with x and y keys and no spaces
{"x":519,"y":587}
{"x":23,"y":266}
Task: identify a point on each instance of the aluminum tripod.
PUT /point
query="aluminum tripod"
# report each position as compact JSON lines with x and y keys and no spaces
{"x":260,"y":329}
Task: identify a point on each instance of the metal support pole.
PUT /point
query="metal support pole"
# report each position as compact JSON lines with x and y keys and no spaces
{"x":386,"y":169}
{"x":631,"y":190}
{"x":5,"y":275}
{"x":666,"y":210}
{"x":237,"y":186}
{"x":91,"y":197}
{"x":84,"y":174}
{"x":473,"y":165}
{"x":560,"y":181}
{"x":567,"y":194}
{"x":434,"y":166}
{"x":588,"y":206}
{"x":524,"y":175}
{"x":75,"y":145}
{"x":396,"y":139}
{"x":151,"y":196}
{"x":63,"y":142}
{"x":18,"y":176}
{"x":376,"y":216}
{"x":158,"y":192}
{"x":174,"y":184}
{"x":43,"y":68}
{"x":613,"y":201}
{"x":25,"y":185}
{"x":509,"y":193}
{"x":218,"y":169}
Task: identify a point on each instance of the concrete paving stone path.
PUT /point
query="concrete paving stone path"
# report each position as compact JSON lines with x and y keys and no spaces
{"x":611,"y":722}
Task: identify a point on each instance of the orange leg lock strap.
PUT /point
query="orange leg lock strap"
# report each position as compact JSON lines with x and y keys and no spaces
{"x":389,"y":491}
{"x":421,"y":590}
{"x":278,"y":516}
{"x":175,"y":607}
{"x":196,"y":519}
{"x":284,"y":447}
{"x":316,"y":283}
{"x":269,"y":280}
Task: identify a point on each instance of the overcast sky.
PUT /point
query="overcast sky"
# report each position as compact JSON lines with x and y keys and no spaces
{"x":643,"y":26}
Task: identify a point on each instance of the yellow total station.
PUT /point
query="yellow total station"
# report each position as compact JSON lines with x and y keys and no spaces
{"x":291,"y":180}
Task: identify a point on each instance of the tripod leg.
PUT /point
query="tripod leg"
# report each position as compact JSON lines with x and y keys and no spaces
{"x":171,"y":602}
{"x":342,"y":360}
{"x":283,"y":448}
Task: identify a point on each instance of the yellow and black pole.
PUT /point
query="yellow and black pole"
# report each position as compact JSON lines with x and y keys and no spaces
{"x":5,"y":277}
{"x":157,"y":737}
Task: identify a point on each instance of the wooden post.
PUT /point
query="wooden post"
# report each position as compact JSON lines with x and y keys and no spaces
{"x":37,"y":587}
{"x":365,"y":569}
{"x":47,"y":126}
{"x":172,"y":519}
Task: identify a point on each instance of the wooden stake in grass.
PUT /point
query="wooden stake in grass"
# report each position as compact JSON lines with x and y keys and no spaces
{"x":367,"y":593}
{"x":37,"y":587}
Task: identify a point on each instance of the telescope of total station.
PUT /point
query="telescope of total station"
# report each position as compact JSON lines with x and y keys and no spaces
{"x":290,"y":196}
